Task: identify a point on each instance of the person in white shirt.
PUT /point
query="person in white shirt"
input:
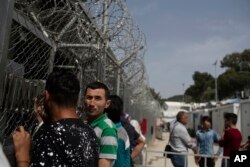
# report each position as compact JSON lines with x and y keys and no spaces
{"x":180,"y":140}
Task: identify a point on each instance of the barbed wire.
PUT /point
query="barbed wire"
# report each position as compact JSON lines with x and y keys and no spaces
{"x":95,"y":39}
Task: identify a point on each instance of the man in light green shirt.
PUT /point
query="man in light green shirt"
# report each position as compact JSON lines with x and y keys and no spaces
{"x":96,"y":100}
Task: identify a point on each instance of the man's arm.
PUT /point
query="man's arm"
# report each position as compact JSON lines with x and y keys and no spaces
{"x":219,"y":151}
{"x":186,"y":139}
{"x":139,"y":147}
{"x":108,"y":147}
{"x":216,"y":140}
{"x":22,"y":143}
{"x":198,"y":139}
{"x":104,"y":163}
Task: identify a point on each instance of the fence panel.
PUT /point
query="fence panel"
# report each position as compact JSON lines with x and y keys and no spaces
{"x":96,"y":40}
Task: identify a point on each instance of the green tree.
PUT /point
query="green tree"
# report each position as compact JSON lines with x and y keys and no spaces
{"x":237,"y":61}
{"x":236,"y":78}
{"x":202,"y":89}
{"x":208,"y":94}
{"x":231,"y":82}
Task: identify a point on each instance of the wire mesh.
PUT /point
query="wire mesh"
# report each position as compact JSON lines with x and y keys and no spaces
{"x":95,"y":39}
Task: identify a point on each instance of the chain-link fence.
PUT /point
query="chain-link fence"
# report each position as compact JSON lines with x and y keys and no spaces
{"x":95,"y":39}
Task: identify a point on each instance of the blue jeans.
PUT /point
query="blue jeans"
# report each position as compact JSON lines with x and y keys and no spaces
{"x":209,"y":163}
{"x":223,"y":163}
{"x":179,"y":160}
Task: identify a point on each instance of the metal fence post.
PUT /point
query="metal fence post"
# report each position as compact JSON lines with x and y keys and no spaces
{"x":6,"y":11}
{"x":165,"y":161}
{"x":146,"y":157}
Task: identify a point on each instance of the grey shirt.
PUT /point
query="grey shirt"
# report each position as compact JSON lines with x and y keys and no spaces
{"x":180,"y":140}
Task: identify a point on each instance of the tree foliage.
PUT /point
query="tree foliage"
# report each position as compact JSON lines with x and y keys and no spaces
{"x":202,"y":88}
{"x":231,"y":82}
{"x":237,"y":61}
{"x":236,"y":78}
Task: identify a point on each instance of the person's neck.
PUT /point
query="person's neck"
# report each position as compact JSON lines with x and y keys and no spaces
{"x":60,"y":113}
{"x":205,"y":129}
{"x":233,"y":126}
{"x":182,"y":123}
{"x":91,"y":118}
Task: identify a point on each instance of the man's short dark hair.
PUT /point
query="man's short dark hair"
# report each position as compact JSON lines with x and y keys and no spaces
{"x":63,"y":88}
{"x":206,"y":118}
{"x":98,"y":85}
{"x":179,"y":115}
{"x":114,"y":111}
{"x":231,"y":117}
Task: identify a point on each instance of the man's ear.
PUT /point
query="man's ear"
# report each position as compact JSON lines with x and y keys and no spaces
{"x":107,"y":103}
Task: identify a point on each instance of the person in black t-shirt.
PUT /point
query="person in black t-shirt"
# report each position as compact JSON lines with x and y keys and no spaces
{"x":63,"y":139}
{"x":65,"y":142}
{"x":137,"y":142}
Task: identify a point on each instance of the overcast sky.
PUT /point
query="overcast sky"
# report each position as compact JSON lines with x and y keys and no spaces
{"x":184,"y":36}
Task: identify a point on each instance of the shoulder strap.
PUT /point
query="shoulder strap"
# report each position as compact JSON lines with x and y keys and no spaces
{"x":172,"y":131}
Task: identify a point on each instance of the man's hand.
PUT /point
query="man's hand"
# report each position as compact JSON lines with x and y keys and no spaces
{"x":197,"y":159}
{"x":139,"y":147}
{"x":22,"y":144}
{"x":215,"y":157}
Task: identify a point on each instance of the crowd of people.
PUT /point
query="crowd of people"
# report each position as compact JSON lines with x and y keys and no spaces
{"x":203,"y":144}
{"x":105,"y":138}
{"x":61,"y":138}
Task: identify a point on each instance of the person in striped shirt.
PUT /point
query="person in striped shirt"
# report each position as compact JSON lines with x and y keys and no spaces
{"x":96,"y":100}
{"x":114,"y":112}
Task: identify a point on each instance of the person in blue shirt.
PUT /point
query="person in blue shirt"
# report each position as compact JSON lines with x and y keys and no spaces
{"x":206,"y":137}
{"x":114,"y":112}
